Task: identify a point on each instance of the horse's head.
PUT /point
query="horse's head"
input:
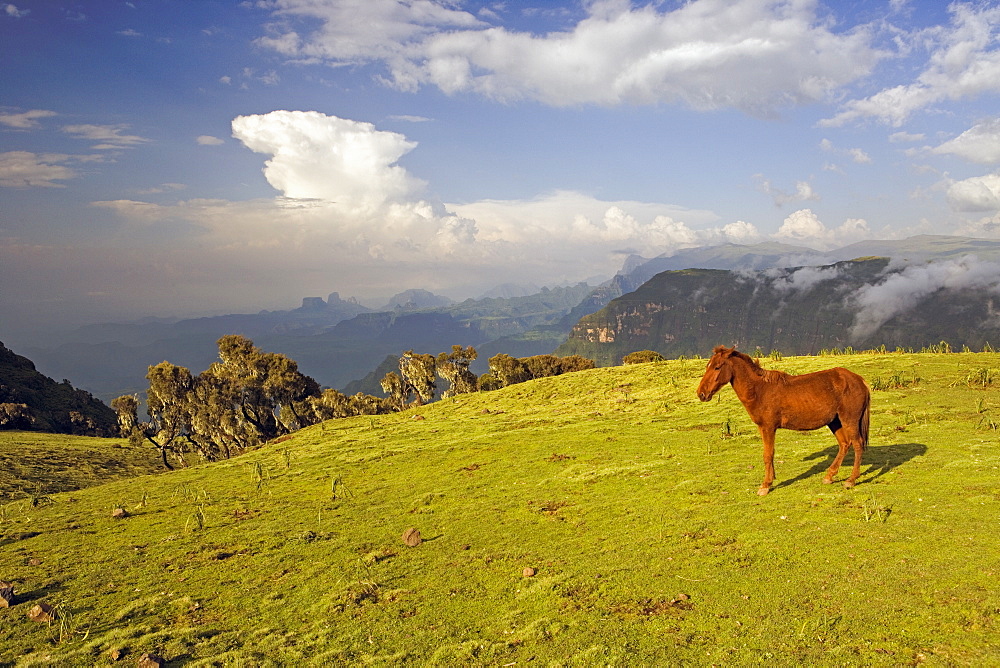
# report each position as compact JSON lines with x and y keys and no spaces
{"x":718,"y":372}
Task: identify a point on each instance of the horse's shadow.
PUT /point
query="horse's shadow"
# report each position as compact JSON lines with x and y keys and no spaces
{"x":879,"y":460}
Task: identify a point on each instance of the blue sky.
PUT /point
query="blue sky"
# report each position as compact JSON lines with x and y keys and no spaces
{"x":160,"y":157}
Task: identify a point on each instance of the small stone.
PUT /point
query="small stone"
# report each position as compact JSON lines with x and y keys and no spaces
{"x":528,"y":572}
{"x":119,"y":513}
{"x":151,"y":661}
{"x":42,"y":612}
{"x":412,"y":537}
{"x":6,"y":594}
{"x":116,"y":654}
{"x":34,"y":561}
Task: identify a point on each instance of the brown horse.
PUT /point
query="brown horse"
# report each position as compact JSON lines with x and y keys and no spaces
{"x":835,"y":398}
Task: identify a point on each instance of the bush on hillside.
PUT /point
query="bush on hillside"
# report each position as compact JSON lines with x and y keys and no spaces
{"x":643,"y":356}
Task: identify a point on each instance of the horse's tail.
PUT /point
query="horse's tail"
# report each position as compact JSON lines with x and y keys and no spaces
{"x":865,"y":419}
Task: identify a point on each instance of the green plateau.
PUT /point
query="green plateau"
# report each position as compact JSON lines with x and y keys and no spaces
{"x":602,"y":517}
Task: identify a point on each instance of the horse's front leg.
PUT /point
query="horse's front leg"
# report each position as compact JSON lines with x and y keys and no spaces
{"x":767,"y":436}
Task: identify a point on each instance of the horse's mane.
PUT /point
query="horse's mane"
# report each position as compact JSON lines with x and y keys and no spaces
{"x":768,"y":375}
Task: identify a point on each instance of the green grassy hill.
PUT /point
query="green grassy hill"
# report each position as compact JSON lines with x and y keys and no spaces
{"x":33,"y":464}
{"x":634,"y":505}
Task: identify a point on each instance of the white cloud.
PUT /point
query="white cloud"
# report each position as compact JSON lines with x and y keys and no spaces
{"x":27,"y":120}
{"x":805,"y":227}
{"x":209,"y":140}
{"x":162,"y":188}
{"x":108,"y":136}
{"x":22,"y":169}
{"x":13,"y":11}
{"x":979,"y":193}
{"x":355,"y":31}
{"x":804,"y":279}
{"x":346,"y":208}
{"x":803,"y":192}
{"x":964,"y":63}
{"x":899,"y":292}
{"x":409,"y":119}
{"x":315,"y":156}
{"x":904,"y":137}
{"x":859,"y":156}
{"x":979,"y":144}
{"x":753,"y":55}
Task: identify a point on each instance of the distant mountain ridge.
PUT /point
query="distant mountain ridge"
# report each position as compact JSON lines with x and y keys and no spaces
{"x":338,"y":341}
{"x":861,"y":303}
{"x":335,"y":342}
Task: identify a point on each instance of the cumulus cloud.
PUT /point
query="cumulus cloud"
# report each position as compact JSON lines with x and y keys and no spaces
{"x":346,"y":210}
{"x":964,"y":62}
{"x":23,"y":169}
{"x":27,"y":120}
{"x":979,"y":193}
{"x":752,"y":55}
{"x":805,"y":227}
{"x":901,"y":291}
{"x":315,"y":156}
{"x":979,"y":144}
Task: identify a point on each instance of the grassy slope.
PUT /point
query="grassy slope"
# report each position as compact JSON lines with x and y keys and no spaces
{"x":626,"y":494}
{"x":37,"y":464}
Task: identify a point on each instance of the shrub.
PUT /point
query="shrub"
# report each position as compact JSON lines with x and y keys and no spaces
{"x":643,"y":356}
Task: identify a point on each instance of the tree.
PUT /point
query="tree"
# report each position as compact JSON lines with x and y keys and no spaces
{"x":395,"y":389}
{"x":572,"y":363}
{"x":454,"y":368}
{"x":127,"y":408}
{"x":265,"y":385}
{"x":167,"y":404}
{"x":508,"y":370}
{"x":16,"y":416}
{"x":542,"y":366}
{"x":418,"y":371}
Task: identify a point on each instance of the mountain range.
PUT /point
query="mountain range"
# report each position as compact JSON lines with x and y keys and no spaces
{"x":340,"y":342}
{"x":862,"y":304}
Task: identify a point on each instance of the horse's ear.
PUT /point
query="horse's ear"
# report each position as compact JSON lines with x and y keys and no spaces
{"x":724,"y":351}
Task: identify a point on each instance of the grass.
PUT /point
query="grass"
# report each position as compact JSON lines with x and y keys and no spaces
{"x":636,"y":509}
{"x":34,"y":464}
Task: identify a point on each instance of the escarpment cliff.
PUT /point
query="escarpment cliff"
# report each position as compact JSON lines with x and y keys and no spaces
{"x":861,"y":303}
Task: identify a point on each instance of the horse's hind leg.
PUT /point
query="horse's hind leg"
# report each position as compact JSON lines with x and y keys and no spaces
{"x":840,"y":432}
{"x":858,"y":451}
{"x":767,"y":437}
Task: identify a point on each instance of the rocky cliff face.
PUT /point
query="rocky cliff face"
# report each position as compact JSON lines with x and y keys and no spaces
{"x":797,"y":311}
{"x":31,"y":400}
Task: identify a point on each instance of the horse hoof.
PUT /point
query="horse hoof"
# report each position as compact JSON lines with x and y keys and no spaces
{"x":827,"y":481}
{"x":848,"y":484}
{"x":763,"y":491}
